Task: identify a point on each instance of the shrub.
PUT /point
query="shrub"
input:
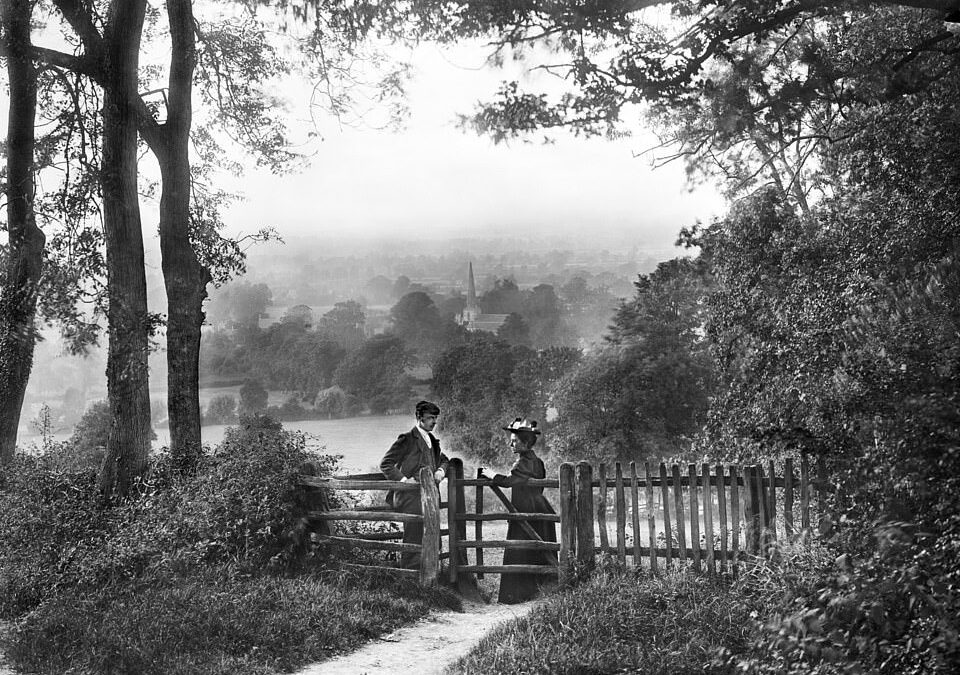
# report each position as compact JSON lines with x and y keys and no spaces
{"x":222,"y":409}
{"x":253,"y":397}
{"x":884,"y":614}
{"x":241,"y":507}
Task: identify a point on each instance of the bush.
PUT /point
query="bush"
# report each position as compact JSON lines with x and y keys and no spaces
{"x":883,"y":614}
{"x":241,"y":507}
{"x":221,"y":410}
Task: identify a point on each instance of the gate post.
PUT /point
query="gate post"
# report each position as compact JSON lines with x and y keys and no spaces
{"x":430,"y":502}
{"x":585,"y":552}
{"x":568,"y":522}
{"x":454,"y":508}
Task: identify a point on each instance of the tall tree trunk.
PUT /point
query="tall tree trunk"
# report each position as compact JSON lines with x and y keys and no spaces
{"x":127,"y":375}
{"x":185,"y":278}
{"x":18,"y":297}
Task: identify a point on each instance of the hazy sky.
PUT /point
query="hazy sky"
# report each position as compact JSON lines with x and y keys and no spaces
{"x":434,"y":178}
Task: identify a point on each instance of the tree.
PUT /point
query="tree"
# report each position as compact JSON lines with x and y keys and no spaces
{"x":417,"y":322}
{"x":344,"y":323}
{"x":253,"y":397}
{"x":222,"y":409}
{"x":23,"y":260}
{"x":542,"y":311}
{"x":647,"y":393}
{"x":240,"y":302}
{"x":515,"y":330}
{"x":376,"y":371}
{"x":503,"y":298}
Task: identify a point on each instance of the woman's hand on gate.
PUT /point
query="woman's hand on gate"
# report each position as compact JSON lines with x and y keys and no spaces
{"x":439,"y":475}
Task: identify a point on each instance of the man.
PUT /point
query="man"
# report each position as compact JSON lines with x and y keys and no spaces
{"x":411,"y":452}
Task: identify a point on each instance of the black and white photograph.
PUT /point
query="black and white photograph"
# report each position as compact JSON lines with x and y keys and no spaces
{"x":480,"y":337}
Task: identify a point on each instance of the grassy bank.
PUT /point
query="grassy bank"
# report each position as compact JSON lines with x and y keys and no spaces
{"x":212,"y":623}
{"x":626,"y":620}
{"x":202,"y":572}
{"x":617,"y":621}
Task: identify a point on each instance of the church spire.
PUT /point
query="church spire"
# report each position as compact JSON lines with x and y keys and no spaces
{"x":471,"y":287}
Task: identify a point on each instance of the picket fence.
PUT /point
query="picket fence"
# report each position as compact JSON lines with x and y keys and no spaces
{"x":712,"y":518}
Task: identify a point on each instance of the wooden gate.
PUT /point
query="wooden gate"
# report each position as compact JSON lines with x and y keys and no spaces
{"x":707,"y":517}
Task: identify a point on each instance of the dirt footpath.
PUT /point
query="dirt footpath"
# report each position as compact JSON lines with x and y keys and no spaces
{"x":426,"y":647}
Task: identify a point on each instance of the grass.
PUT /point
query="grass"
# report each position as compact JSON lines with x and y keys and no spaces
{"x":216,"y":622}
{"x":617,"y":621}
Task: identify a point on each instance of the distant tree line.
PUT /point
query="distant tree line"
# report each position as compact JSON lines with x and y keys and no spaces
{"x":330,"y":368}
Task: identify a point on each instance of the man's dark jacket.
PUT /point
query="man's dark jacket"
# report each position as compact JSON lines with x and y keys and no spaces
{"x":408,"y":454}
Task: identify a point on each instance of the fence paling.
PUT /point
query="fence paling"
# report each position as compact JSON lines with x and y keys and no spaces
{"x":635,"y":502}
{"x":694,"y":517}
{"x":681,"y":521}
{"x":584,"y":479}
{"x":708,"y":519}
{"x":651,"y":517}
{"x":805,"y":493}
{"x":764,"y":509}
{"x":722,"y":513}
{"x":602,"y":507}
{"x":665,"y":498}
{"x":788,"y":498}
{"x":621,"y":506}
{"x":771,"y":481}
{"x":734,"y":518}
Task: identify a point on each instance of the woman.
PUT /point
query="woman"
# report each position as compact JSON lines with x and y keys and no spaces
{"x":517,"y":587}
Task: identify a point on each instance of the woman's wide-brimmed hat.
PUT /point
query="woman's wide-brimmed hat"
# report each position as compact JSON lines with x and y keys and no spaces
{"x":520,"y":424}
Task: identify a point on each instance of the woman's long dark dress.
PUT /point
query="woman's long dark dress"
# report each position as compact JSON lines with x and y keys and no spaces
{"x":517,"y":587}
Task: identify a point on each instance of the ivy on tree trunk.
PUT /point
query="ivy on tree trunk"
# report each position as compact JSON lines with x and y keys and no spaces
{"x":18,"y":296}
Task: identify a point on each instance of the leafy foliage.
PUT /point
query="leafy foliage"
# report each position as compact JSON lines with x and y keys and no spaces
{"x":376,"y":373}
{"x":486,"y":382}
{"x":645,"y":394}
{"x":241,"y":507}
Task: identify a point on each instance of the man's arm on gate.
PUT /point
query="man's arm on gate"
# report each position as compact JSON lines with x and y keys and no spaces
{"x":390,"y":464}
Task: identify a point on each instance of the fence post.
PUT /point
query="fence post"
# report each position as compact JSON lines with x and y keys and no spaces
{"x":430,"y":503}
{"x":478,"y":526}
{"x":585,"y":553}
{"x":568,"y":522}
{"x":454,"y":507}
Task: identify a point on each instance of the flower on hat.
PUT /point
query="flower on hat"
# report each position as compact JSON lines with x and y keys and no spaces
{"x":522,"y":424}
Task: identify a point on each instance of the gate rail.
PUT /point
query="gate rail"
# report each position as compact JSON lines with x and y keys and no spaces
{"x":744,"y":499}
